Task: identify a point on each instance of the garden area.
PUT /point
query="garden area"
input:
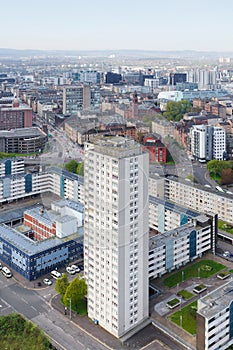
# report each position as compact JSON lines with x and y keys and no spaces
{"x":185,"y":294}
{"x":14,"y":155}
{"x":186,"y":318}
{"x":224,"y":226}
{"x":173,"y":303}
{"x":223,"y":275}
{"x":201,"y":269}
{"x":73,"y":294}
{"x":199,"y":289}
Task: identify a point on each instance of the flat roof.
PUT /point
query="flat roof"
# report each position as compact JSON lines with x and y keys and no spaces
{"x":65,"y":218}
{"x":66,"y":173}
{"x":13,"y":109}
{"x":198,"y":186}
{"x":71,"y":204}
{"x":159,"y":240}
{"x":22,"y":132}
{"x":47,"y":217}
{"x":173,"y":207}
{"x":14,"y":214}
{"x":116,"y":146}
{"x":30,"y":247}
{"x":216,"y":301}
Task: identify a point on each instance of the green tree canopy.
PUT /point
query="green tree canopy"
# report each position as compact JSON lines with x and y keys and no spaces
{"x":80,"y":169}
{"x":148,"y":119}
{"x":76,"y":291}
{"x":71,"y":166}
{"x":62,"y":284}
{"x":17,"y":333}
{"x":216,"y":166}
{"x":176,"y":110}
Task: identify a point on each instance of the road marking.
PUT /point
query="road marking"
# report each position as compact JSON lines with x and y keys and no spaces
{"x":33,"y":308}
{"x":152,"y":342}
{"x":26,"y":302}
{"x":47,"y":295}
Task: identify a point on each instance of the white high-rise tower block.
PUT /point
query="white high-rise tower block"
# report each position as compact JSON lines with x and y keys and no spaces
{"x":116,"y":233}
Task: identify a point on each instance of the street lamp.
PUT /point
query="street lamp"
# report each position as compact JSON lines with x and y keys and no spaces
{"x":182,"y":272}
{"x":70,"y":306}
{"x":198,"y":272}
{"x":180,"y":314}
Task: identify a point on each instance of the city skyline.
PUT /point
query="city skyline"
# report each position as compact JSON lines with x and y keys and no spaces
{"x":193,"y":25}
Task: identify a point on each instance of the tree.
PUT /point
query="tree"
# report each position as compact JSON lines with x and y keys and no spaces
{"x":76,"y":291}
{"x":140,"y":136}
{"x":71,"y":166}
{"x":176,"y":110}
{"x":17,"y":333}
{"x":80,"y":169}
{"x":148,"y":119}
{"x":62,"y":284}
{"x":216,"y":167}
{"x":227,"y":176}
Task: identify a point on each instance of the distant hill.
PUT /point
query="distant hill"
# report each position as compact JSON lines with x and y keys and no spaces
{"x":15,"y":53}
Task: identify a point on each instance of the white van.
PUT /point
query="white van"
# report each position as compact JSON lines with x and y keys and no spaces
{"x":6,"y":272}
{"x":55,"y":274}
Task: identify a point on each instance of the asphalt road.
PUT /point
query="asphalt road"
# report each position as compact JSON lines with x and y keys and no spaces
{"x":34,"y":306}
{"x":65,"y":335}
{"x":59,"y":150}
{"x":182,"y":170}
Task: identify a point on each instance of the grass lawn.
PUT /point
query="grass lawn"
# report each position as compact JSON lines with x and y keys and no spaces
{"x":9,"y":155}
{"x":173,"y":302}
{"x":188,"y":317}
{"x":206,"y":269}
{"x":224,"y":226}
{"x":81,"y":307}
{"x":185,"y":294}
{"x":216,"y":178}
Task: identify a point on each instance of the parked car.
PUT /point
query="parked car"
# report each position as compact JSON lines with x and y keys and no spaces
{"x":47,"y":281}
{"x":6,"y":272}
{"x":55,"y":274}
{"x":75,"y":268}
{"x":226,"y":254}
{"x":70,"y":270}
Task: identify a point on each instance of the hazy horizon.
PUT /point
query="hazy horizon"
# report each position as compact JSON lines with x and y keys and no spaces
{"x":84,"y":26}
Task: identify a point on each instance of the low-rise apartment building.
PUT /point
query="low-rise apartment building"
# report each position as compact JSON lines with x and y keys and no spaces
{"x":173,"y":249}
{"x":197,"y":198}
{"x":11,"y":166}
{"x":215,"y":319}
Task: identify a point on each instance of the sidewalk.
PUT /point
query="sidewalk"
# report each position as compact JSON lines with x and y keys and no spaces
{"x":137,"y":342}
{"x":87,"y":326}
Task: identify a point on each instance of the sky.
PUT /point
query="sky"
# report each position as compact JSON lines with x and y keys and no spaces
{"x":202,"y":25}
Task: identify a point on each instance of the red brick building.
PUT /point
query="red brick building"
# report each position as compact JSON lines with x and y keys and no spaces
{"x":15,"y":116}
{"x":157,"y":150}
{"x":42,"y":225}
